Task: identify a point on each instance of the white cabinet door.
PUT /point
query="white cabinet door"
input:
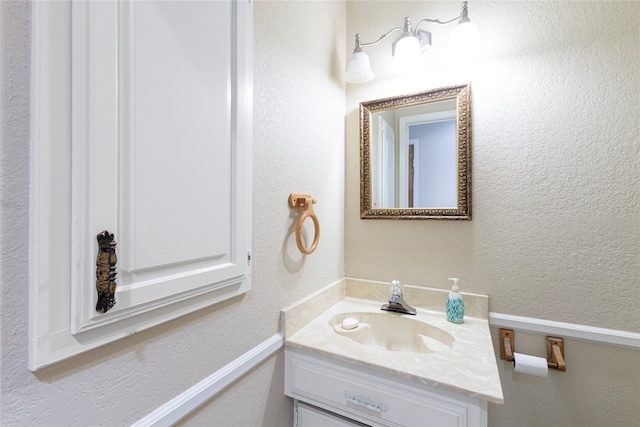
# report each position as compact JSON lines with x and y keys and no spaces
{"x":151,"y":142}
{"x":310,"y":416}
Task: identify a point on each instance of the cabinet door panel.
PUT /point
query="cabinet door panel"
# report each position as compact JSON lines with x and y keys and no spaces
{"x":179,"y":132}
{"x":160,"y":112}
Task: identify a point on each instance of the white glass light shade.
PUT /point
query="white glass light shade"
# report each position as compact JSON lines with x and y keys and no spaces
{"x":464,"y":39}
{"x":359,"y":68}
{"x":406,"y":53}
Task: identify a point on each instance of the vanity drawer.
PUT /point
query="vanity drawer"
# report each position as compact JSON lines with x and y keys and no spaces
{"x":373,"y":397}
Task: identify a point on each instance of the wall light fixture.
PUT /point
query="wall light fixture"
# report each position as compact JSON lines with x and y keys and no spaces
{"x":407,"y":50}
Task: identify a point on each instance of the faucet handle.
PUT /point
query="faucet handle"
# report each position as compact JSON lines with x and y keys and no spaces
{"x":396,"y":288}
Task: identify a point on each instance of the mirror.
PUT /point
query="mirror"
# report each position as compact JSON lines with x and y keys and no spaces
{"x":415,"y":155}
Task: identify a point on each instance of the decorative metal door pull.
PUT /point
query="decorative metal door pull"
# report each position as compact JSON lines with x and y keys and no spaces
{"x":106,"y":272}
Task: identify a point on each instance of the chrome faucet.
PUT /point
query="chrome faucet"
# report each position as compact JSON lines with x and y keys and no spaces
{"x":396,"y":302}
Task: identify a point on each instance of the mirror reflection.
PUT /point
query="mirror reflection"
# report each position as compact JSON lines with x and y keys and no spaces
{"x":415,"y":155}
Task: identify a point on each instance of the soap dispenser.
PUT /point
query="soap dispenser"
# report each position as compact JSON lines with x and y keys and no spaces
{"x":455,"y":305}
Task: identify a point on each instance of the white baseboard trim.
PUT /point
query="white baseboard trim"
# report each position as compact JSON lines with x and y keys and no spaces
{"x":183,"y":404}
{"x":566,"y":330}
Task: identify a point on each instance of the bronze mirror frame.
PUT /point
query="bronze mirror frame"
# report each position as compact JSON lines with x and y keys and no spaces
{"x":462,"y":94}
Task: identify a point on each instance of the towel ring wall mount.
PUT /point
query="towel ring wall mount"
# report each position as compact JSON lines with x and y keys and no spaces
{"x":305,"y":202}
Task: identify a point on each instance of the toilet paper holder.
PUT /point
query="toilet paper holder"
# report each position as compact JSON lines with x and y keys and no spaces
{"x":555,"y":349}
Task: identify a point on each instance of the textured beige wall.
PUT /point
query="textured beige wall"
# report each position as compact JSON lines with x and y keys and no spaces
{"x":555,"y":232}
{"x":298,"y":146}
{"x":556,"y":176}
{"x":601,"y":387}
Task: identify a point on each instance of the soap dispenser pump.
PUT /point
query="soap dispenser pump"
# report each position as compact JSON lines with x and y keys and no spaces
{"x":455,"y":304}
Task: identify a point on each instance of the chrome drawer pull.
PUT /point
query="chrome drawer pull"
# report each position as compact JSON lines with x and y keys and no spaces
{"x":365,"y":404}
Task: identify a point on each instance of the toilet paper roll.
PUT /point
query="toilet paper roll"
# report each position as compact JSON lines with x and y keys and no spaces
{"x":530,"y":365}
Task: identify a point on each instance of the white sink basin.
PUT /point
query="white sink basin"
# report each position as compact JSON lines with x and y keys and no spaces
{"x":393,"y":332}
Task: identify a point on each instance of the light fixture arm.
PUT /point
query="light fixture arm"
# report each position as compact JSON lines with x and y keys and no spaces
{"x":462,"y":18}
{"x":435,"y":21}
{"x":360,"y":44}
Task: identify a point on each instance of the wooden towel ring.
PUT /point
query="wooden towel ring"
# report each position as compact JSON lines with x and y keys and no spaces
{"x":305,"y":202}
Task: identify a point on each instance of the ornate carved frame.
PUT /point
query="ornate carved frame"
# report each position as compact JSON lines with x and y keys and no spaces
{"x":462,"y":94}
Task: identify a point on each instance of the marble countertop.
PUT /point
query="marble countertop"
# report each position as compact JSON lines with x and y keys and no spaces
{"x":468,"y":367}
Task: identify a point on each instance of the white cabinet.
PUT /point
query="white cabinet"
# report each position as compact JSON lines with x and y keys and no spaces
{"x":142,"y":115}
{"x":376,"y":398}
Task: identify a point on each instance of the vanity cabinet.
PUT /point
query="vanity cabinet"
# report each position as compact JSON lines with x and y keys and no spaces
{"x":374,"y":397}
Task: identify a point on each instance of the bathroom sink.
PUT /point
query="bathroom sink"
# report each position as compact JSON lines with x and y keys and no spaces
{"x":425,"y":347}
{"x":393,"y":332}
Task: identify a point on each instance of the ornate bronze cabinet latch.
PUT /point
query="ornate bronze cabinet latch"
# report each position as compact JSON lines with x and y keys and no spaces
{"x":106,"y":272}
